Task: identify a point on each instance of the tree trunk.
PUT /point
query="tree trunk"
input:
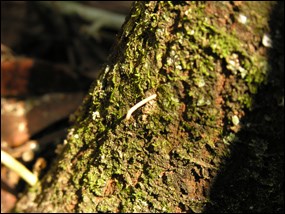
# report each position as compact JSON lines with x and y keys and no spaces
{"x":205,"y":63}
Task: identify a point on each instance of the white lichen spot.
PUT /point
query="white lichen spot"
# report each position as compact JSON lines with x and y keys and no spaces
{"x":235,"y":120}
{"x":144,"y":203}
{"x":214,"y":46}
{"x":233,"y":62}
{"x":172,"y":53}
{"x":234,"y":65}
{"x":200,"y":82}
{"x":242,"y":19}
{"x":206,"y":19}
{"x":225,"y":141}
{"x":144,"y":116}
{"x":130,"y":133}
{"x":188,"y":12}
{"x":243,"y":72}
{"x":160,"y":32}
{"x":107,"y":68}
{"x":169,"y":61}
{"x":203,"y":102}
{"x":179,"y":67}
{"x":95,"y":115}
{"x":266,"y":41}
{"x":120,"y":154}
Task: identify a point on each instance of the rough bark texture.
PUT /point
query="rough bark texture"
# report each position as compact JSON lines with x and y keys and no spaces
{"x":205,"y":67}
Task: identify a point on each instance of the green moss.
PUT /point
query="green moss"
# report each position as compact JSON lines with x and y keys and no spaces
{"x":109,"y":205}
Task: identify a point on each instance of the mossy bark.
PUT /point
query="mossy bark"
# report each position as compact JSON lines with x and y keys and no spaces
{"x":205,"y":65}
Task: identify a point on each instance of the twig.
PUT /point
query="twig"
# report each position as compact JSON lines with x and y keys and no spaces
{"x":99,"y":18}
{"x":139,"y":104}
{"x":19,"y":168}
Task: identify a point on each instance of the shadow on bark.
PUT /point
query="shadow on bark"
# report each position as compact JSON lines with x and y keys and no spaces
{"x":252,"y":179}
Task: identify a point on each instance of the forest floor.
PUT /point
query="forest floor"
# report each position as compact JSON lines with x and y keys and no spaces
{"x":47,"y":65}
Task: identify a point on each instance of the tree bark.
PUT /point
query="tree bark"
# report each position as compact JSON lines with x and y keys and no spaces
{"x":205,"y":62}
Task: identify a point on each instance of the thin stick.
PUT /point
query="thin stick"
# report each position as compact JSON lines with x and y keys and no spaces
{"x":19,"y":168}
{"x":139,"y":104}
